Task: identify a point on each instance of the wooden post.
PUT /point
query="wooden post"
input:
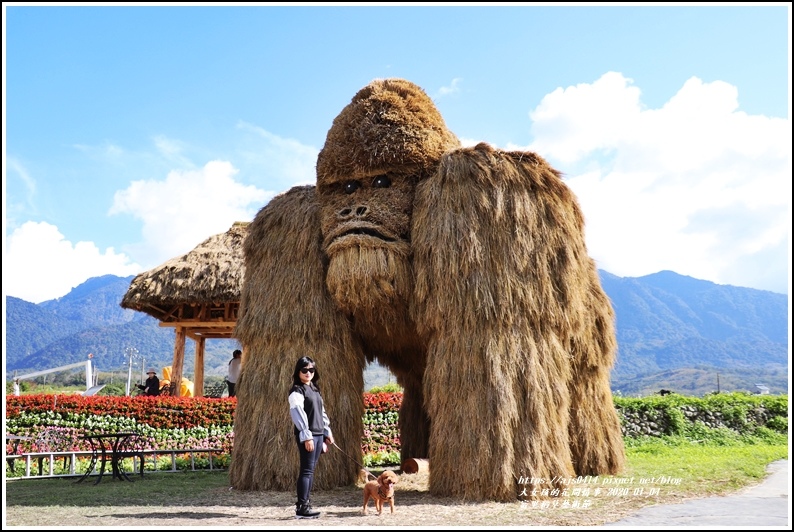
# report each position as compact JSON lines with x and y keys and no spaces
{"x":179,"y":361}
{"x":198,"y":379}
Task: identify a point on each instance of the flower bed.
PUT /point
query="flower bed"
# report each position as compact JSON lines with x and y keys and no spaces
{"x":381,"y":442}
{"x":157,"y":412}
{"x":54,"y":422}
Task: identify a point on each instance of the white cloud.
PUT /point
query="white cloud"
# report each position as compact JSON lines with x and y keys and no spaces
{"x":697,"y":186}
{"x":40,"y":264}
{"x":468,"y":143}
{"x":451,"y":89}
{"x":186,"y":208}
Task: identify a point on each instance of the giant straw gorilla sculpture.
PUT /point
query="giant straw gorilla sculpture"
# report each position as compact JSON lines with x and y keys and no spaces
{"x":462,"y":270}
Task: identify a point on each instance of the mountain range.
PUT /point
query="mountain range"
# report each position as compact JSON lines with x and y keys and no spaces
{"x":674,"y":332}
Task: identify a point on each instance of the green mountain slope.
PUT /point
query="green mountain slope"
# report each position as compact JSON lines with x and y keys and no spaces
{"x":674,"y":332}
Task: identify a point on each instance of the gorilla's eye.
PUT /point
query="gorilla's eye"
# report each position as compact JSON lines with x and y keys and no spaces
{"x":381,"y":181}
{"x":351,"y":186}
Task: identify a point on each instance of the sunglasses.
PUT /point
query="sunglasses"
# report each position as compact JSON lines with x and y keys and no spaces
{"x":306,"y":371}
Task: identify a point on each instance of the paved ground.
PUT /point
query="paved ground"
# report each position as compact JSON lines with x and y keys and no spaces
{"x":764,"y":505}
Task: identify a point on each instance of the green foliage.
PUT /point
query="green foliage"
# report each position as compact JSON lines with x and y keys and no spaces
{"x":778,"y":424}
{"x":24,"y":387}
{"x":182,"y":462}
{"x":49,"y":388}
{"x":677,"y":421}
{"x":662,"y":410}
{"x":389,"y":387}
{"x":114,"y":389}
{"x":380,"y":458}
{"x":700,"y":433}
{"x":737,"y":411}
{"x":776,"y":404}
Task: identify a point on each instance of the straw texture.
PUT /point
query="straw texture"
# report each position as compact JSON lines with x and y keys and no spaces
{"x":521,"y":335}
{"x":286,"y":313}
{"x":462,"y":270}
{"x":210,"y":273}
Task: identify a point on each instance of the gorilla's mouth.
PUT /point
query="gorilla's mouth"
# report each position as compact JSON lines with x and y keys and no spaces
{"x":352,"y":234}
{"x":368,"y":231}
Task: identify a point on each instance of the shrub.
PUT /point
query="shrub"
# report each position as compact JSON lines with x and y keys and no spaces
{"x":676,"y":414}
{"x":381,"y":458}
{"x":778,"y":424}
{"x":389,"y":387}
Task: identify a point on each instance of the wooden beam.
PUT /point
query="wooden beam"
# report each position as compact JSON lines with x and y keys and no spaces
{"x":179,"y":360}
{"x":173,"y":312}
{"x":199,"y":324}
{"x":210,"y":330}
{"x":153,"y":310}
{"x":198,"y":379}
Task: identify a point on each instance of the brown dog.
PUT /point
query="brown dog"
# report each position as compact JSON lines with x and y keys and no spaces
{"x":381,"y":491}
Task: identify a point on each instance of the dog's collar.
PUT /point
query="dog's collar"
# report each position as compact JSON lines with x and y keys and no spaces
{"x":383,"y":495}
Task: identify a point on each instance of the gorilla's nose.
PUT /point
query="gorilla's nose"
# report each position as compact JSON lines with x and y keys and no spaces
{"x":357,"y":211}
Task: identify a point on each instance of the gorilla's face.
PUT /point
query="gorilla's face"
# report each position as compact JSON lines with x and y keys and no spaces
{"x":375,"y":209}
{"x":366,"y":228}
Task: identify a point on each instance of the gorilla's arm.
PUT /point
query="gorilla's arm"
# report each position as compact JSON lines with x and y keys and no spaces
{"x":504,"y":294}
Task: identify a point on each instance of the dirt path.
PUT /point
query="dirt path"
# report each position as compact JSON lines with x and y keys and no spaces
{"x":414,"y":507}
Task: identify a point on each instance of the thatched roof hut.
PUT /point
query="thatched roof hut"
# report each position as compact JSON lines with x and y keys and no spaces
{"x":197,"y":293}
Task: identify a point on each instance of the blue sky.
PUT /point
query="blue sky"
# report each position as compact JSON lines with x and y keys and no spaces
{"x":131,"y":133}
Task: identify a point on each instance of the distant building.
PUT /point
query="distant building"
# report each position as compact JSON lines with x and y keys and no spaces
{"x":762,"y":389}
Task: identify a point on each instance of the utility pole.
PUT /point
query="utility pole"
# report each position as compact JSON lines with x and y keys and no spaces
{"x":718,"y":383}
{"x":90,"y":374}
{"x":129,"y":378}
{"x":131,"y":353}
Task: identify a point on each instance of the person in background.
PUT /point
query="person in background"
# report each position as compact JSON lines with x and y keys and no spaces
{"x":234,"y":371}
{"x":152,"y":384}
{"x":312,"y":430}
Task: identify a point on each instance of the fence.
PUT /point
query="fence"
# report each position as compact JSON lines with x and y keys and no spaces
{"x":138,"y":463}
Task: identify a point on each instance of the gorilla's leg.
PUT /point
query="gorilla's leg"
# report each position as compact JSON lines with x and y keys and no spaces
{"x":413,"y":422}
{"x":595,"y":432}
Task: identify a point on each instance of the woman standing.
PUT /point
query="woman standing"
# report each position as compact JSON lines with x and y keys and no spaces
{"x":312,"y":429}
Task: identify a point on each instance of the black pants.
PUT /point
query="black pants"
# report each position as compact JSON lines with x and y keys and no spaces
{"x":306,"y":475}
{"x":231,"y":388}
